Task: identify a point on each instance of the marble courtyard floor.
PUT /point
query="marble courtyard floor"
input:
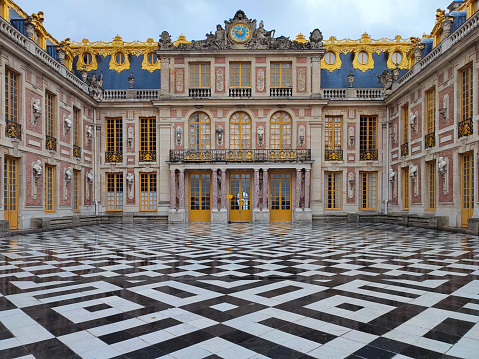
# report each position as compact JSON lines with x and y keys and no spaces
{"x":239,"y":291}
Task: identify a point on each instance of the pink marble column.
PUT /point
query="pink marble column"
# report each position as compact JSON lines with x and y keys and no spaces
{"x":214,"y":190}
{"x":298,"y":188}
{"x":181,"y":191}
{"x":256,"y":190}
{"x":307,"y":187}
{"x":172,"y":189}
{"x":223,"y":189}
{"x":265,"y":189}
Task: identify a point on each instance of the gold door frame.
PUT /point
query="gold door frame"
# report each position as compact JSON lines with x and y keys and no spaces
{"x":199,"y":203}
{"x":280,"y":198}
{"x":11,"y":192}
{"x":467,"y":187}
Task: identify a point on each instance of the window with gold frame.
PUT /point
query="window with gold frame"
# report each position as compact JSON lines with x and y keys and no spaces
{"x":200,"y":74}
{"x":280,"y":131}
{"x":431,"y":186}
{"x":49,"y":188}
{"x":368,"y":138}
{"x":332,"y":190}
{"x":240,"y":131}
{"x":76,"y":126}
{"x":431,"y":111}
{"x":200,"y":131}
{"x":281,"y":73}
{"x":240,"y":74}
{"x":114,"y":190}
{"x":11,"y":96}
{"x":405,"y":184}
{"x":76,"y":191}
{"x":50,"y":114}
{"x":333,"y":133}
{"x":466,"y":93}
{"x":114,"y":139}
{"x":148,"y":194}
{"x":368,"y":190}
{"x":148,"y":139}
{"x":405,"y":124}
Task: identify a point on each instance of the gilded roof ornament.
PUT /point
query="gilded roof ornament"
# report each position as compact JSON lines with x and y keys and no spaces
{"x":301,"y":39}
{"x":181,"y":41}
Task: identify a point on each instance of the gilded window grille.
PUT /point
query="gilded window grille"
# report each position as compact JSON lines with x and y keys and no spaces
{"x":76,"y":191}
{"x":431,"y":186}
{"x":13,"y":130}
{"x":406,"y":188}
{"x":114,"y":140}
{"x":50,"y":143}
{"x":333,"y":138}
{"x":368,"y":138}
{"x":200,"y":131}
{"x":114,"y":184}
{"x":148,"y":192}
{"x":430,"y":140}
{"x":332,"y":190}
{"x":200,"y":75}
{"x":280,"y":131}
{"x":76,"y":151}
{"x":466,"y":94}
{"x":11,"y":96}
{"x":49,"y":188}
{"x":465,"y":128}
{"x":147,"y":139}
{"x":240,"y":131}
{"x":281,"y":74}
{"x":240,"y":74}
{"x":404,"y":149}
{"x":367,"y":190}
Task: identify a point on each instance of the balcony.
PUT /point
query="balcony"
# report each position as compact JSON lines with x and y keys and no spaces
{"x":430,"y":140}
{"x":199,"y":92}
{"x":405,"y":149}
{"x":147,"y":156}
{"x":368,"y":155}
{"x":465,"y":128}
{"x":13,"y":130}
{"x":50,"y":143}
{"x":333,"y":155}
{"x":113,"y":156}
{"x":281,"y":91}
{"x":76,"y":151}
{"x":240,"y":155}
{"x":240,"y":92}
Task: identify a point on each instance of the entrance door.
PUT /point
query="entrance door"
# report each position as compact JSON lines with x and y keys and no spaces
{"x":280,"y":197}
{"x":200,"y":200}
{"x":240,"y":203}
{"x":467,"y":188}
{"x":10,"y":188}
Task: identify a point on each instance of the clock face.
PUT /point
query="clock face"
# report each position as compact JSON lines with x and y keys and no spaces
{"x":240,"y":33}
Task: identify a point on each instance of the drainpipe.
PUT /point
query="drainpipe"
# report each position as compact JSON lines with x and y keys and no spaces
{"x":95,"y":163}
{"x":387,"y":163}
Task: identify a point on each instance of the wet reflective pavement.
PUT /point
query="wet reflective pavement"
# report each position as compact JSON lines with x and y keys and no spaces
{"x":239,"y":291}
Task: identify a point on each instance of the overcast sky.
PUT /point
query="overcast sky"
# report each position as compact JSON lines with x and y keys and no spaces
{"x":140,"y":19}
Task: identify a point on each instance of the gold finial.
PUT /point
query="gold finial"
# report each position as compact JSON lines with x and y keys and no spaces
{"x":301,"y":39}
{"x":181,"y":41}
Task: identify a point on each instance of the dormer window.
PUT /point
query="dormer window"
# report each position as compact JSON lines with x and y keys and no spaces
{"x":363,"y":58}
{"x":87,"y":58}
{"x":120,"y":58}
{"x":330,"y":58}
{"x":152,"y":58}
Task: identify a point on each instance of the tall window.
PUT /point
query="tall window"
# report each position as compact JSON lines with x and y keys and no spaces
{"x":200,"y":75}
{"x":114,"y":140}
{"x":466,"y":94}
{"x":76,"y":191}
{"x":50,"y":114}
{"x":280,"y":131}
{"x":11,"y":96}
{"x":240,"y":74}
{"x":148,"y":191}
{"x":405,"y":124}
{"x":431,"y":111}
{"x":200,"y":131}
{"x":368,"y":138}
{"x":368,"y":189}
{"x":240,"y":131}
{"x":431,"y":186}
{"x":333,"y":132}
{"x":332,"y":190}
{"x":405,"y":183}
{"x":147,"y":139}
{"x":49,"y":188}
{"x":76,"y":127}
{"x":281,"y":74}
{"x":114,"y":184}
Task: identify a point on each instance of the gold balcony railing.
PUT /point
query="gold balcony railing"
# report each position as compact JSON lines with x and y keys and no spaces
{"x":430,"y":140}
{"x":368,"y":155}
{"x":113,"y":156}
{"x":333,"y":155}
{"x":405,"y":149}
{"x":50,"y":143}
{"x":465,"y":128}
{"x":147,"y":156}
{"x":76,"y":151}
{"x":13,"y":130}
{"x":240,"y":155}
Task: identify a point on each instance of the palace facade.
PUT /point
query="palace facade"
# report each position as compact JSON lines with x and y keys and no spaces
{"x":242,"y":126}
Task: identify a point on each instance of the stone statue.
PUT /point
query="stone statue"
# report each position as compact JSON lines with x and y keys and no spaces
{"x":68,"y":174}
{"x":263,"y":37}
{"x":129,"y":178}
{"x":37,"y":108}
{"x":386,"y":79}
{"x":37,"y":169}
{"x":442,"y":165}
{"x":68,"y":122}
{"x":220,"y":34}
{"x":412,"y":170}
{"x":89,"y":176}
{"x":165,"y":41}
{"x":392,"y":175}
{"x":316,"y":39}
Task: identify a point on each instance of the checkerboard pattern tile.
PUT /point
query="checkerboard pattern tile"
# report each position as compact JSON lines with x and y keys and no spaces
{"x":240,"y":291}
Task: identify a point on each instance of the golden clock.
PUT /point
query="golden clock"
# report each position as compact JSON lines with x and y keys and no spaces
{"x":240,"y":33}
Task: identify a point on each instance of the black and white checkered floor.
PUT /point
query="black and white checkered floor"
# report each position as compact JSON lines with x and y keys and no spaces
{"x":239,"y":291}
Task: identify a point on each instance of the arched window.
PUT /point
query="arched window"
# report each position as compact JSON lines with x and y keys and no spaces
{"x":280,"y":131}
{"x":200,"y":131}
{"x":240,"y":131}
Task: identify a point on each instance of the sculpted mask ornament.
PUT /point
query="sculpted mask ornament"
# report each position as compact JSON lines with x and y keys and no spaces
{"x":68,"y":174}
{"x":89,"y":132}
{"x":129,"y":178}
{"x":37,"y":110}
{"x":89,"y":177}
{"x":68,"y":123}
{"x":442,"y":165}
{"x":260,"y":136}
{"x":392,"y":175}
{"x":412,"y":120}
{"x":37,"y":169}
